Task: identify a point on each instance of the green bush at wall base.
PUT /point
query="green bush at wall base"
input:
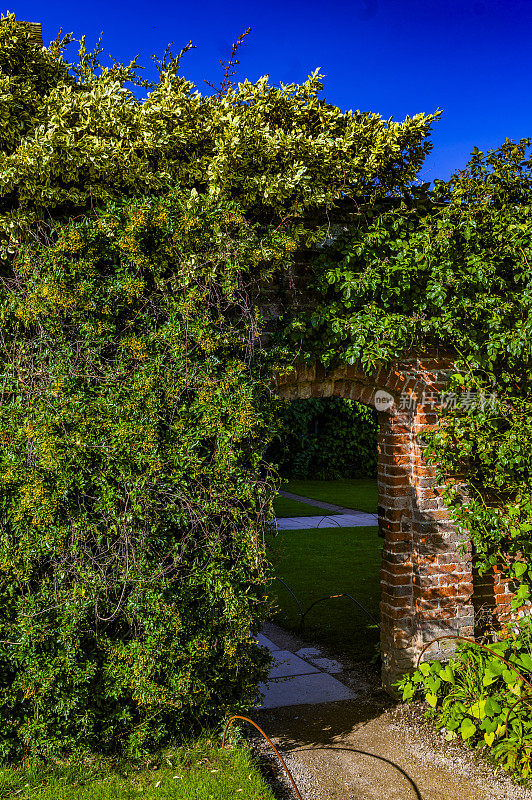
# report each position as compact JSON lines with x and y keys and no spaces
{"x":476,"y":697}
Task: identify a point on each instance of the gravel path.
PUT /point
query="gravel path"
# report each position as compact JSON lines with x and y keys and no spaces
{"x":369,"y":748}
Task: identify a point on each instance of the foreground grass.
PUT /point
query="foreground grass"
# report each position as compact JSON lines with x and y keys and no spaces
{"x":321,"y":562}
{"x":200,"y":772}
{"x":285,"y":507}
{"x":357,"y":493}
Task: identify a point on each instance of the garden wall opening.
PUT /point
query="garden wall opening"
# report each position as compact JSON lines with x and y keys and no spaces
{"x":428,"y":587}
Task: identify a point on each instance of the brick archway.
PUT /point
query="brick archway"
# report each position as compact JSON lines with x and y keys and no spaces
{"x":427,"y":583}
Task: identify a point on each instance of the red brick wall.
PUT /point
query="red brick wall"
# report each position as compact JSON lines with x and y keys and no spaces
{"x":428,"y":588}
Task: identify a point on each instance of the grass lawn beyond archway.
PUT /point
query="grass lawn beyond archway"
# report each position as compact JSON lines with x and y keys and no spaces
{"x":325,"y":561}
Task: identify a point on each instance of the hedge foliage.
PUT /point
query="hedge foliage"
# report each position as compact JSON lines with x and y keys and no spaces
{"x":75,"y":135}
{"x":136,"y":404}
{"x":326,"y":439}
{"x":135,"y":235}
{"x":132,"y":430}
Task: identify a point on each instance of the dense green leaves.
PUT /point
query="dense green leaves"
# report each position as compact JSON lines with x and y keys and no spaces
{"x":132,"y":429}
{"x":136,"y":401}
{"x":480,"y":700}
{"x":135,"y":408}
{"x":326,"y":439}
{"x":76,"y":135}
{"x":448,"y":271}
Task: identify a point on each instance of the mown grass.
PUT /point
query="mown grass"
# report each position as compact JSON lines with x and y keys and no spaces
{"x":201,"y":771}
{"x":357,"y":493}
{"x":285,"y":507}
{"x":327,"y":561}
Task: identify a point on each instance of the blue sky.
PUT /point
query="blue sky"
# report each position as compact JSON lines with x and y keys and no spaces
{"x":392,"y":57}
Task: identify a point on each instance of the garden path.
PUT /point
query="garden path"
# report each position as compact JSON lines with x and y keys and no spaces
{"x":343,"y":518}
{"x":363,"y":746}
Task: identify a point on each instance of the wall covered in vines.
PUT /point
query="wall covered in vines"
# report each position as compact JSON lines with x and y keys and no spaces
{"x":136,"y":234}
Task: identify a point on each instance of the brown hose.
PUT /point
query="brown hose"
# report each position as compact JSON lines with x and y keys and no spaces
{"x":277,"y":753}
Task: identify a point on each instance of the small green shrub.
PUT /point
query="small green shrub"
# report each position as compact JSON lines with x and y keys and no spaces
{"x":474,"y":694}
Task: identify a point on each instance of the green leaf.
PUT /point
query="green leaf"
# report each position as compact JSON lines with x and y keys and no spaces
{"x":408,"y":692}
{"x":489,"y":738}
{"x":447,"y":674}
{"x":509,"y":676}
{"x":525,"y":660}
{"x":491,"y":706}
{"x":520,"y":567}
{"x":477,"y":709}
{"x":467,"y":729}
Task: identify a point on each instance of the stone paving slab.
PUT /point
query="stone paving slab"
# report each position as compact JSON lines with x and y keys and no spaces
{"x":304,"y":689}
{"x":263,"y":640}
{"x":286,"y":664}
{"x":357,"y":520}
{"x":302,"y":677}
{"x":314,"y":656}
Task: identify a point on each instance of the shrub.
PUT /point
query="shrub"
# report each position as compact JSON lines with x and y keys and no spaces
{"x":132,"y":428}
{"x":326,"y":439}
{"x":75,"y":135}
{"x":476,"y":694}
{"x":136,"y":404}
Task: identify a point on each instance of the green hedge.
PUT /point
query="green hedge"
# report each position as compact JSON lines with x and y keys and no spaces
{"x":326,"y":439}
{"x":132,"y":427}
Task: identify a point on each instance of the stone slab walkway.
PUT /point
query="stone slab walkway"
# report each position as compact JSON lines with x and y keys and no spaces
{"x":301,"y":677}
{"x":343,"y":518}
{"x":356,"y":520}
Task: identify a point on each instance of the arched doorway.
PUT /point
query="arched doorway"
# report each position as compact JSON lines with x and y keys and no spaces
{"x":426,"y":580}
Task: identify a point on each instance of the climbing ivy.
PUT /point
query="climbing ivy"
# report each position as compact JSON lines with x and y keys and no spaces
{"x":448,"y":271}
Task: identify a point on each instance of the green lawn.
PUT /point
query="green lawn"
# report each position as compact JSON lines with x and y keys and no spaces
{"x":285,"y":507}
{"x":326,"y":561}
{"x":200,"y":772}
{"x":357,"y":493}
